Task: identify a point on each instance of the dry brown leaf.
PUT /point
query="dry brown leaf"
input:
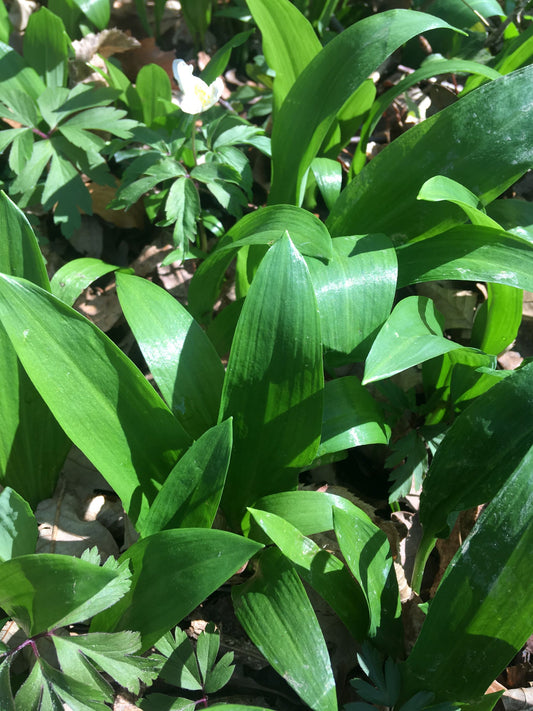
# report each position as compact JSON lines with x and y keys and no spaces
{"x":105,"y":43}
{"x":63,"y":530}
{"x":147,"y":53}
{"x":19,"y":13}
{"x":518,"y":699}
{"x":132,"y":218}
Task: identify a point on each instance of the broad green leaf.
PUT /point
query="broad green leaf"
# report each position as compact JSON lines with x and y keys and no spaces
{"x":322,"y":89}
{"x":273,"y":383}
{"x":197,"y":14}
{"x":32,"y":444}
{"x":74,"y":276}
{"x":65,"y":192}
{"x":152,"y":84}
{"x":77,"y":666}
{"x":498,"y":319}
{"x":328,"y":176}
{"x":190,"y":496}
{"x":97,"y":11}
{"x":98,"y":396}
{"x":289,"y":42}
{"x":47,"y":590}
{"x":430,"y":68}
{"x":351,"y":417}
{"x":468,"y":253}
{"x":21,"y":150}
{"x":17,"y":74}
{"x":260,"y":227}
{"x":181,"y":667}
{"x":180,"y":356}
{"x":193,"y":563}
{"x":309,"y":511}
{"x":324,"y":572}
{"x":34,"y":693}
{"x":411,"y":335}
{"x":29,"y":177}
{"x":219,"y":61}
{"x":355,"y":292}
{"x":46,"y":47}
{"x":515,"y":216}
{"x":18,"y":527}
{"x":439,"y":188}
{"x":367,"y":552}
{"x":480,"y":451}
{"x":6,"y":695}
{"x":471,"y":142}
{"x":471,"y":632}
{"x":270,"y":607}
{"x":5,"y":24}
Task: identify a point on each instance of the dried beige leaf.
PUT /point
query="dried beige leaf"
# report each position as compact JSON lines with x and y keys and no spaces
{"x":105,"y":43}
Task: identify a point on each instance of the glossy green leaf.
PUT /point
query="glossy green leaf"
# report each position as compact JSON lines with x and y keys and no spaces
{"x":190,"y":496}
{"x":75,"y":276}
{"x":260,"y":227}
{"x":182,"y":207}
{"x":270,"y":607}
{"x":351,"y":417}
{"x":471,"y":142}
{"x":471,"y":632}
{"x":289,"y":42}
{"x":468,"y":253}
{"x":18,"y":527}
{"x":180,"y":356}
{"x":411,"y":335}
{"x":97,"y":11}
{"x":515,"y":216}
{"x":367,"y":552}
{"x":273,"y":383}
{"x":328,"y":176}
{"x":439,"y":188}
{"x":498,"y":319}
{"x":355,"y":292}
{"x":46,"y":47}
{"x":430,"y":68}
{"x":218,"y":63}
{"x":17,"y":74}
{"x":152,"y":84}
{"x":193,"y":563}
{"x":323,"y":571}
{"x":32,"y":444}
{"x":480,"y":451}
{"x":324,"y":86}
{"x":6,"y":694}
{"x":99,"y":397}
{"x":47,"y":590}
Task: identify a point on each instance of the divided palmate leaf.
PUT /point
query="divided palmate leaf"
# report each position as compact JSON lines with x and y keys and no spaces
{"x":274,"y":381}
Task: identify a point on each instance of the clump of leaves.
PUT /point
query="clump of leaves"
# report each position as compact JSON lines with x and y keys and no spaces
{"x":193,"y":668}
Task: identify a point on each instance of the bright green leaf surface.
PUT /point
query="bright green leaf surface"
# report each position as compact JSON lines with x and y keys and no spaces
{"x":152,"y":84}
{"x":180,"y":356}
{"x":355,"y":292}
{"x":270,"y":607}
{"x":18,"y":75}
{"x":274,"y":380}
{"x":289,"y":42}
{"x":367,"y":552}
{"x":351,"y":417}
{"x":516,"y":216}
{"x":100,"y":399}
{"x":324,"y":572}
{"x":46,"y":47}
{"x":74,"y":276}
{"x":411,"y":335}
{"x":324,"y":86}
{"x":46,"y":590}
{"x":32,"y":445}
{"x":328,"y":176}
{"x":471,"y":141}
{"x":471,"y":632}
{"x":469,"y":253}
{"x":260,"y":227}
{"x":18,"y":527}
{"x":191,"y":494}
{"x":193,"y":563}
{"x":480,"y":451}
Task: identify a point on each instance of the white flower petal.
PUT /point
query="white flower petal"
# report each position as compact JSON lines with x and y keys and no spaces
{"x":196,"y":96}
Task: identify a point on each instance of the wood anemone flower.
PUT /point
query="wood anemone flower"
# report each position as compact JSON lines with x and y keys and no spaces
{"x":196,"y":96}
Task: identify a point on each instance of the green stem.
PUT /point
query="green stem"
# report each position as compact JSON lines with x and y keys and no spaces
{"x":193,"y":140}
{"x":424,"y":549}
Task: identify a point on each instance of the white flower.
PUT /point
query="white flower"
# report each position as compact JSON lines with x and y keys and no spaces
{"x":196,"y":96}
